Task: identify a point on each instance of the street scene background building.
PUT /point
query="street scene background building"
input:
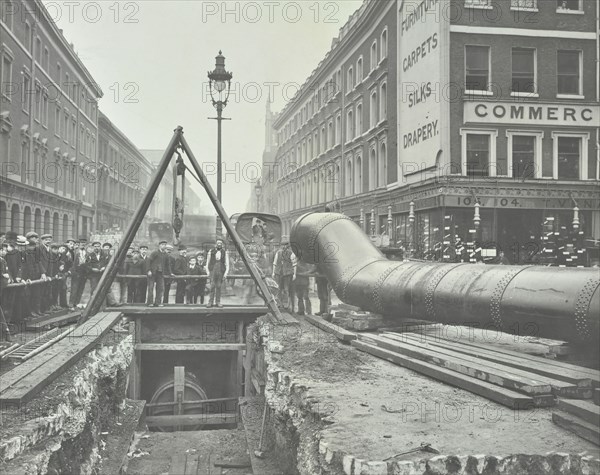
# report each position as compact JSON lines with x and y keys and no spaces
{"x":66,"y":168}
{"x":467,"y":124}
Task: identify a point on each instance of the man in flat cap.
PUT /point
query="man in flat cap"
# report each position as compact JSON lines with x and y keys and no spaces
{"x":180,"y":268}
{"x":32,"y":270}
{"x":143,"y":283}
{"x":168,"y":282}
{"x":47,"y":265}
{"x":218,"y":268}
{"x":159,"y":266}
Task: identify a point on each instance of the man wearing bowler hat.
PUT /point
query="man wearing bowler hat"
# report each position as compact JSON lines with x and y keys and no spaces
{"x":79,"y":272}
{"x":218,"y":268}
{"x":180,"y":268}
{"x":159,"y":266}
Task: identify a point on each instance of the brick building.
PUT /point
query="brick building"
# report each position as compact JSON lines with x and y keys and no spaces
{"x":497,"y":129}
{"x":332,"y":137}
{"x":124,"y":176}
{"x":48,"y":131}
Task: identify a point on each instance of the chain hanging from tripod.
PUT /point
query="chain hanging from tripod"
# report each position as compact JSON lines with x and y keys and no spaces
{"x":178,"y":198}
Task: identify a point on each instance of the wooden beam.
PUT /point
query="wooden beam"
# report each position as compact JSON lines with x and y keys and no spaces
{"x":192,"y":310}
{"x":339,"y":332}
{"x":541,"y":368}
{"x":191,"y":420}
{"x":583,"y":429}
{"x":594,"y":374}
{"x":586,"y":410}
{"x":559,"y":388}
{"x":503,"y":396}
{"x":497,"y":376}
{"x":189,"y":346}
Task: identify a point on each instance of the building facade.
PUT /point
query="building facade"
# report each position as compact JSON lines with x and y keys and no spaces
{"x":48,"y":131}
{"x":333,"y":138}
{"x":497,"y":132}
{"x":123,"y":177}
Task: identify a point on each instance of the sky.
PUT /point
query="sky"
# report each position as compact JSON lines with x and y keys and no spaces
{"x":151,"y":59}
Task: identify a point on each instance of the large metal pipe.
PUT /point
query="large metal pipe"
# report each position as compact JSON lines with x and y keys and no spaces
{"x":550,"y":302}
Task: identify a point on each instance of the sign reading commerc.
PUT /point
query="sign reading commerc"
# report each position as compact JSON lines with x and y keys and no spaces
{"x":531,"y":113}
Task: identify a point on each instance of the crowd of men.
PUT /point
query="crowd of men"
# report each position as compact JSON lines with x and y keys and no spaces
{"x":49,"y":276}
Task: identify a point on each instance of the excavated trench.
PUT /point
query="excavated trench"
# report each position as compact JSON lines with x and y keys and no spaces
{"x":60,"y":431}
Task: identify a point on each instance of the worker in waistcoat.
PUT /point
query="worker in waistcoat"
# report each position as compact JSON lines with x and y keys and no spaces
{"x":218,"y":267}
{"x":284,"y":273}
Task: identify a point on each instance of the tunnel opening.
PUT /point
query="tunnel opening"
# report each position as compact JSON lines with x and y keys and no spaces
{"x":190,"y":390}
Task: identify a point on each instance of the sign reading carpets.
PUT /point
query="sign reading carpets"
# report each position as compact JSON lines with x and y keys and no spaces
{"x":419,"y":111}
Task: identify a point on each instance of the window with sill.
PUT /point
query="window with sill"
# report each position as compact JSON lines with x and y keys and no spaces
{"x":569,"y":157}
{"x":350,"y":80}
{"x":569,"y":72}
{"x":477,"y":68}
{"x":359,"y":70}
{"x":568,"y":5}
{"x":374,"y":55}
{"x":26,"y":93}
{"x":7,"y":10}
{"x":523,"y":70}
{"x":478,"y":155}
{"x":523,"y":156}
{"x":6,"y":76}
{"x":478,"y":3}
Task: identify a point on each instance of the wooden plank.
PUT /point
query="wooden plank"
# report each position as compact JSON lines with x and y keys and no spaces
{"x":178,"y":390}
{"x":66,"y":353}
{"x":590,"y":373}
{"x":194,"y":310}
{"x":339,"y":332}
{"x":190,"y":346}
{"x":13,"y":376}
{"x":516,"y":362}
{"x":487,"y":390}
{"x":596,"y":396}
{"x":586,"y":410}
{"x":583,"y":429}
{"x":52,"y":320}
{"x":191,"y":419}
{"x":497,"y":376}
{"x":177,"y":466}
{"x":245,"y":463}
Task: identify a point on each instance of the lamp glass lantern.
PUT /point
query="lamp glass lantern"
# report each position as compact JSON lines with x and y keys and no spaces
{"x":219,"y":81}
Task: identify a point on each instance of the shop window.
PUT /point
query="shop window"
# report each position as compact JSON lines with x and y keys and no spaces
{"x":523,"y":70}
{"x":568,"y":5}
{"x":478,"y":155}
{"x":569,"y":72}
{"x":477,"y":68}
{"x":523,"y":156}
{"x":569,"y":156}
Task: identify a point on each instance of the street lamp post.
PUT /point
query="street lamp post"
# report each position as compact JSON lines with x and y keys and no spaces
{"x":258,"y":192}
{"x":219,"y":83}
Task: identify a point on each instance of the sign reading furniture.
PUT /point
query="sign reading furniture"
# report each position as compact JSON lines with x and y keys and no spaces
{"x":562,"y":115}
{"x":421,"y":46}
